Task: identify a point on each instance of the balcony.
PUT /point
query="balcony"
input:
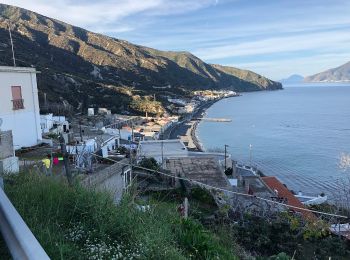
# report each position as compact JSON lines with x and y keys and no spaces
{"x":18,"y":104}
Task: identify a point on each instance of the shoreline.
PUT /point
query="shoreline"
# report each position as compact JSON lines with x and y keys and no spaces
{"x":187,"y":130}
{"x":193,"y":130}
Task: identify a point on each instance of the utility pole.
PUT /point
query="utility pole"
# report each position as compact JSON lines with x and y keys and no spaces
{"x":81,"y":132}
{"x":119,"y":135}
{"x":225,"y":156}
{"x":250,"y":154}
{"x":186,"y":208}
{"x":162,"y":150}
{"x":65,"y":160}
{"x":132,"y":131}
{"x":130,"y":147}
{"x":13,"y":51}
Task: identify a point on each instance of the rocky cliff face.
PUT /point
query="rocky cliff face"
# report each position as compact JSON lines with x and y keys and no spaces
{"x":339,"y":74}
{"x":88,"y":69}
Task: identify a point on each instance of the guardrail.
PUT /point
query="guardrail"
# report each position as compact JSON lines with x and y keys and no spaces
{"x":19,"y":239}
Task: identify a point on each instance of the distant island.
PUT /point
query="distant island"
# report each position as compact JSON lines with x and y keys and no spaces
{"x":295,"y":78}
{"x":338,"y":74}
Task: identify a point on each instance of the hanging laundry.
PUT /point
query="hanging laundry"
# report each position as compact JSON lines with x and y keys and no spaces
{"x":55,"y":160}
{"x":47,"y":163}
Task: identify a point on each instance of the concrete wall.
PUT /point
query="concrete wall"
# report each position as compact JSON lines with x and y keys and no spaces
{"x":24,"y":123}
{"x":111,"y":179}
{"x":9,"y":165}
{"x":6,"y":145}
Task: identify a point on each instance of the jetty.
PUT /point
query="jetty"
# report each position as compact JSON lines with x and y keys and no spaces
{"x":215,"y":119}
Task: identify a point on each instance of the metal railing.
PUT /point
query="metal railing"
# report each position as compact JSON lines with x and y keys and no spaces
{"x":18,"y":104}
{"x":20,"y":241}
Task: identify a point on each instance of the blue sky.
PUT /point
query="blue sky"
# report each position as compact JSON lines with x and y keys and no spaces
{"x":273,"y":37}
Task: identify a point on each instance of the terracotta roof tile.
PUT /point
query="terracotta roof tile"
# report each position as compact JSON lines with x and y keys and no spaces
{"x":282,"y":192}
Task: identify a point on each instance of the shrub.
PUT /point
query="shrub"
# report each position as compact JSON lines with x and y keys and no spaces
{"x":150,"y":163}
{"x":76,"y":223}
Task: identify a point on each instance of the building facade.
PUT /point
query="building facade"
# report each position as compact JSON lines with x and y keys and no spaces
{"x":19,"y":105}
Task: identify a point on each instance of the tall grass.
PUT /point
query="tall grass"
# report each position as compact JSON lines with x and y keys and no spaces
{"x":76,"y":223}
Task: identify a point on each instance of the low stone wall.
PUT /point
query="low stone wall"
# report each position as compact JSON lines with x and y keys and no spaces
{"x":6,"y":144}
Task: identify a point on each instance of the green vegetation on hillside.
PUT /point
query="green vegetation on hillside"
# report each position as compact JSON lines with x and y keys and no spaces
{"x":146,"y":105}
{"x":75,"y":223}
{"x":79,"y":67}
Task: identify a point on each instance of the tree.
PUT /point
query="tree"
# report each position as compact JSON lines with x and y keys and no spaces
{"x":150,"y":163}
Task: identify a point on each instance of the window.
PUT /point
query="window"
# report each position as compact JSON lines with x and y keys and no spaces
{"x":17,"y":100}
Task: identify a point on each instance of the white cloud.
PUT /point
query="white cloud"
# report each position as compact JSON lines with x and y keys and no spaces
{"x":96,"y":14}
{"x":273,"y":45}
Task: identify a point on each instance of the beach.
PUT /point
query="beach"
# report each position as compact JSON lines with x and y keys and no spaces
{"x":185,"y":130}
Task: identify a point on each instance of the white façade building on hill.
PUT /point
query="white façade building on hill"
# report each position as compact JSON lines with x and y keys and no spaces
{"x":19,"y":105}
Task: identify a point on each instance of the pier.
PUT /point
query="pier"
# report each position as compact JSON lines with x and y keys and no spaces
{"x":215,"y":119}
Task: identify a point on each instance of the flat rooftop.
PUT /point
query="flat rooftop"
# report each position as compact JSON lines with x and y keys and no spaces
{"x":202,"y":169}
{"x":17,"y":69}
{"x":155,"y":148}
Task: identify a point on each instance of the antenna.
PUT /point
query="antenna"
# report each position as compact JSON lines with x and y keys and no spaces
{"x":13,"y":51}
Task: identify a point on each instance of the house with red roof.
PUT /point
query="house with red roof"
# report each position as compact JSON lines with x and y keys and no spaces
{"x":286,"y":196}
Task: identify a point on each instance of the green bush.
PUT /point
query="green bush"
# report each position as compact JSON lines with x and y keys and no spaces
{"x":200,"y":243}
{"x":150,"y":163}
{"x":76,"y":223}
{"x":202,"y":195}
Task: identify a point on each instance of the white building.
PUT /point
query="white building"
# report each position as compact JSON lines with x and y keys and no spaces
{"x":19,"y":105}
{"x":54,"y":124}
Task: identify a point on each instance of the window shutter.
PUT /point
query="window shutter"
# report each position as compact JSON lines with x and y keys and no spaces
{"x":16,"y":92}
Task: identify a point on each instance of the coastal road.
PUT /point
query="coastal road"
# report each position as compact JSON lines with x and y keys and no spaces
{"x":187,"y":127}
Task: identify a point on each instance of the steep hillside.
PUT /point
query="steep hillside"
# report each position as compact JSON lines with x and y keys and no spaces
{"x":339,"y":74}
{"x":247,"y":76}
{"x":89,"y":69}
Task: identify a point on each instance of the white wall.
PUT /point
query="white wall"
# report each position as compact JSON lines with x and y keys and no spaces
{"x":24,"y":123}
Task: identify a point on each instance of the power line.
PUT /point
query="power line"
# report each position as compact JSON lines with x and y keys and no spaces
{"x":233,"y":192}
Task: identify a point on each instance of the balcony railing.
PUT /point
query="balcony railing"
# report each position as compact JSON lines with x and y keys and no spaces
{"x":18,"y":104}
{"x":20,"y":241}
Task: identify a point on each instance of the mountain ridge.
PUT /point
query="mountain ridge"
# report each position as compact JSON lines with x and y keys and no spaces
{"x":294,"y":78}
{"x":338,"y":74}
{"x":84,"y":68}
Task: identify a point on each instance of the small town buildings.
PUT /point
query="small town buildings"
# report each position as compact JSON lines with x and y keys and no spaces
{"x":8,"y":160}
{"x":114,"y":179}
{"x":19,"y":105}
{"x":91,"y":111}
{"x":286,"y":196}
{"x":54,"y":124}
{"x":104,"y":111}
{"x":87,"y":146}
{"x":188,"y":108}
{"x":199,"y":169}
{"x":161,"y":149}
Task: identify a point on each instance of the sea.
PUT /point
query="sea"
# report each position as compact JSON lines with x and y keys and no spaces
{"x":297,"y":134}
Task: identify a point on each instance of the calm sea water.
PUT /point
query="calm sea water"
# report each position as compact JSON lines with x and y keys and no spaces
{"x":297,"y":134}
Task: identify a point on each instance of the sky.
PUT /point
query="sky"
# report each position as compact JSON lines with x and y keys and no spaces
{"x":275,"y":38}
